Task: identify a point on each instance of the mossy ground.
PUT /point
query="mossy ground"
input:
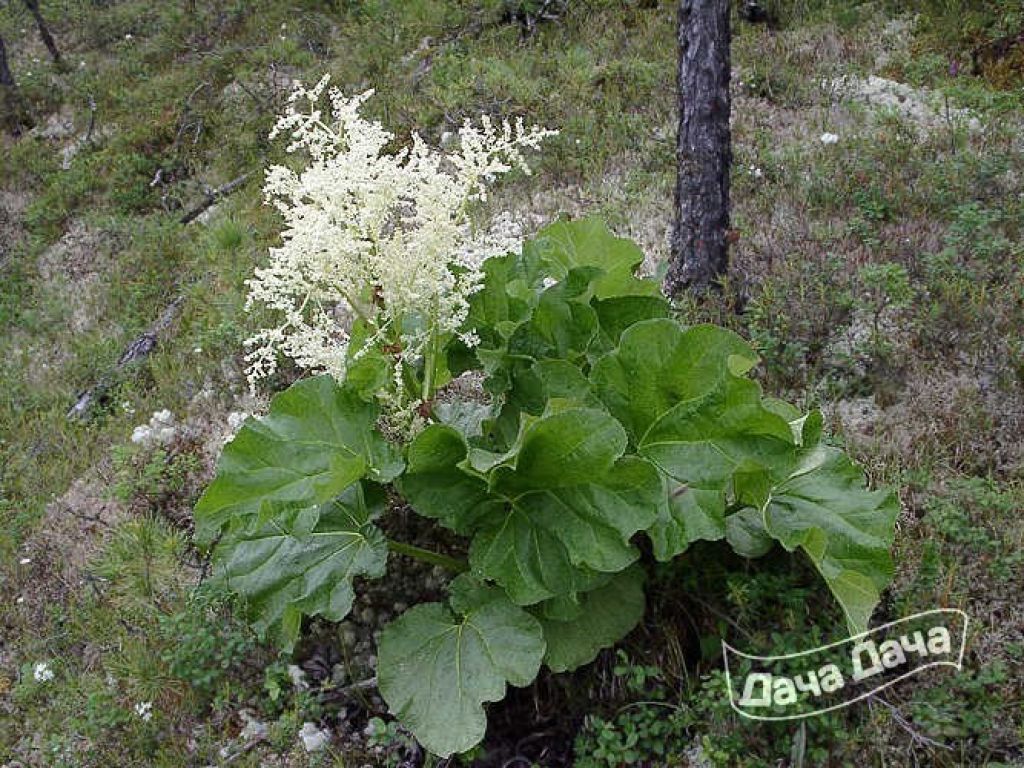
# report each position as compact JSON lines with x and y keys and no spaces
{"x":879,"y":276}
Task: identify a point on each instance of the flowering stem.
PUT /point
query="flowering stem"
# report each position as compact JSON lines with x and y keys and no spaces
{"x":427,"y":556}
{"x":431,"y":357}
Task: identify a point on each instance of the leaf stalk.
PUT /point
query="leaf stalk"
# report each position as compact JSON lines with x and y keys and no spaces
{"x":428,"y":556}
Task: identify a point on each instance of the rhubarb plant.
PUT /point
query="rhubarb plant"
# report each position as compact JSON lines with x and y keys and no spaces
{"x":600,"y":421}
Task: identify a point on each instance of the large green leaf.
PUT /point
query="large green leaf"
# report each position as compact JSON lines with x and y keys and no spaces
{"x":303,"y":562}
{"x":562,"y":326}
{"x":318,"y":439}
{"x":658,"y":364}
{"x":701,"y":445}
{"x":438,"y":665}
{"x":546,"y":517}
{"x":566,"y":245}
{"x":604,"y":616}
{"x":512,"y":287}
{"x":824,"y":508}
{"x":568,"y":296}
{"x":438,"y":488}
{"x":687,"y":411}
{"x":741,"y":466}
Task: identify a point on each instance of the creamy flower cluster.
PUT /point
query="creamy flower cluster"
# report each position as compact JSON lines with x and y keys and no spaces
{"x":376,"y":234}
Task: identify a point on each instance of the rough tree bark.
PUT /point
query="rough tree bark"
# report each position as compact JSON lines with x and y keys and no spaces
{"x":6,"y":78}
{"x":44,"y":31}
{"x":12,"y":113}
{"x":700,"y":245}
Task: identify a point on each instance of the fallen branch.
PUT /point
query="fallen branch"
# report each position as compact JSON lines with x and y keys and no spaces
{"x":213,"y":195}
{"x":138,"y":350}
{"x":918,"y":738}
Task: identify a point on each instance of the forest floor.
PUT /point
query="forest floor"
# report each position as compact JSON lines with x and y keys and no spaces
{"x":880,"y":275}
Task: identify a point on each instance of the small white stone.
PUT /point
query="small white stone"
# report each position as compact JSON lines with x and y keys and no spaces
{"x":298,"y":676}
{"x":313,"y":739}
{"x":254,"y":729}
{"x":25,"y":560}
{"x":236,"y":419}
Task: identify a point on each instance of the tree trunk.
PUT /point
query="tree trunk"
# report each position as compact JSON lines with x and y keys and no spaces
{"x":703,"y":151}
{"x":11,"y":111}
{"x":44,"y":31}
{"x":6,"y":78}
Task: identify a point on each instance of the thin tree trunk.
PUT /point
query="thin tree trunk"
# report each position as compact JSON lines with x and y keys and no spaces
{"x":700,"y":253}
{"x":6,"y":78}
{"x":44,"y":31}
{"x":10,"y":100}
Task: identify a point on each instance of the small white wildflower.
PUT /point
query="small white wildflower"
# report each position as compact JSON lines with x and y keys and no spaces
{"x":829,"y":138}
{"x":42,"y":672}
{"x":144,"y":709}
{"x":162,"y":418}
{"x":313,"y":739}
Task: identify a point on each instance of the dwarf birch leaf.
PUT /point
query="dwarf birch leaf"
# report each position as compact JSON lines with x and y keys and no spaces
{"x":438,"y":665}
{"x":606,"y":615}
{"x":318,"y":439}
{"x":303,"y":562}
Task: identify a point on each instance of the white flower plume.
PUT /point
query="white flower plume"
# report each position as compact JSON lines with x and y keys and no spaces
{"x":376,"y":235}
